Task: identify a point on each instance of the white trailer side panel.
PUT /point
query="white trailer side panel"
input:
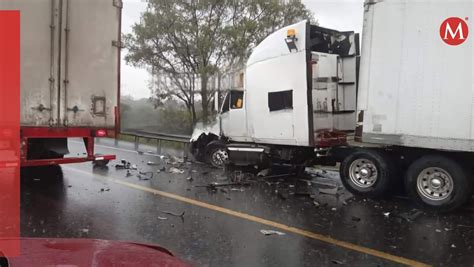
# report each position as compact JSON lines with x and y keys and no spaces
{"x":38,"y":67}
{"x":92,"y":63}
{"x":416,"y":90}
{"x":73,"y":36}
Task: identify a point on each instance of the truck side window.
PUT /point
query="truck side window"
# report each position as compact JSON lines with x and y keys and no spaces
{"x":225,"y":104}
{"x":236,"y":99}
{"x":280,"y":100}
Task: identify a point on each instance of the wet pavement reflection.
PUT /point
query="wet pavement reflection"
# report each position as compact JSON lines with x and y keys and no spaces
{"x":82,"y":201}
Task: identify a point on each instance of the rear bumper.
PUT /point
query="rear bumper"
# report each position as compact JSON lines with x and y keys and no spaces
{"x":88,"y":135}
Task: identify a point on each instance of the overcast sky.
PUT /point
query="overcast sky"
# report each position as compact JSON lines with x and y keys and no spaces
{"x":343,"y":15}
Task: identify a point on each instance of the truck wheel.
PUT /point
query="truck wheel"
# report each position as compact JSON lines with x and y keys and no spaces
{"x":437,"y":183}
{"x":366,"y":173}
{"x":218,"y":156}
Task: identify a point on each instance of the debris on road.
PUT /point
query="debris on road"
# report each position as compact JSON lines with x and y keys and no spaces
{"x":356,"y":219}
{"x":128,"y":174}
{"x":328,"y":191}
{"x":409,"y":216}
{"x":271,"y":232}
{"x":386,"y":214}
{"x":134,"y":167}
{"x":151,"y":163}
{"x":316,"y":203}
{"x":338,"y":262}
{"x":162,"y":218}
{"x":180,"y":215}
{"x":145,"y":175}
{"x":85,"y":230}
{"x":264,"y":172}
{"x":190,"y":178}
{"x":237,"y":189}
{"x":104,"y":189}
{"x":175,"y":170}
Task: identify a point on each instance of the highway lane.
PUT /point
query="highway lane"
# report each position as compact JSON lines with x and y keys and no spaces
{"x":222,"y":227}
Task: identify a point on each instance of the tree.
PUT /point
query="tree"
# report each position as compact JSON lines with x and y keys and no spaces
{"x":189,"y":41}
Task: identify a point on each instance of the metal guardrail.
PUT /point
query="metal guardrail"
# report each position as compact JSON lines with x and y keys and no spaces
{"x":137,"y":134}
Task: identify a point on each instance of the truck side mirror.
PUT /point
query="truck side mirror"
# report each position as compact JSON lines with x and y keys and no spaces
{"x":216,"y":101}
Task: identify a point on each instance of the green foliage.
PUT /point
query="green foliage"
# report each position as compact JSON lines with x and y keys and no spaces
{"x":186,"y":42}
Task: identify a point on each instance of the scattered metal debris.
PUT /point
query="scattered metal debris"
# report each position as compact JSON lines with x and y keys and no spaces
{"x":338,"y":262}
{"x":175,"y":170}
{"x":145,"y":175}
{"x":181,"y":215}
{"x":271,"y":232}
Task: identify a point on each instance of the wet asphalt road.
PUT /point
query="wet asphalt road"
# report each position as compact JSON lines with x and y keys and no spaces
{"x":80,"y":201}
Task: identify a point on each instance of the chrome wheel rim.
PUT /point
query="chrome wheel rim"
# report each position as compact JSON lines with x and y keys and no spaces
{"x":220,"y":157}
{"x":363,"y":173}
{"x":435,"y":183}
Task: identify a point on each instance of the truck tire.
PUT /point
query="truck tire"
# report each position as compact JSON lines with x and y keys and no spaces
{"x":367,"y":173}
{"x":218,"y":156}
{"x":437,"y":183}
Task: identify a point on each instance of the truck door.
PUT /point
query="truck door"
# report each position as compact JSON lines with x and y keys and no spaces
{"x":90,"y":66}
{"x":233,"y":117}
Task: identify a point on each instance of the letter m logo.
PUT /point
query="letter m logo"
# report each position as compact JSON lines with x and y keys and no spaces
{"x":454,"y":31}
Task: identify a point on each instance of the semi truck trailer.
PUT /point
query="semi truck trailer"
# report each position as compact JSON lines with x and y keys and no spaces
{"x":69,"y":85}
{"x":396,"y":109}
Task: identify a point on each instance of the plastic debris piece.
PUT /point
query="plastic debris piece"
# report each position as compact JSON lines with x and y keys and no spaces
{"x":151,"y":163}
{"x":190,"y":178}
{"x":162,"y":218}
{"x":271,"y":232}
{"x":145,"y":175}
{"x":264,"y":172}
{"x":386,"y":214}
{"x":176,"y":170}
{"x":453,"y":246}
{"x":437,"y":231}
{"x":133,"y":167}
{"x":316,"y":203}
